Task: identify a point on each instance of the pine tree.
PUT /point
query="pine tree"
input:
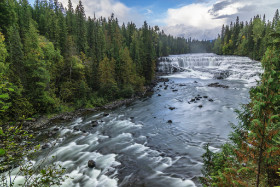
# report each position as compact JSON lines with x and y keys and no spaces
{"x":15,"y":56}
{"x":81,"y":28}
{"x":70,"y":20}
{"x":37,"y":77}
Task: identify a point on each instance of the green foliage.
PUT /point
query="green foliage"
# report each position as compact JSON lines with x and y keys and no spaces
{"x":127,"y":91}
{"x":3,"y":51}
{"x":16,"y":156}
{"x":246,"y":39}
{"x":252,"y":158}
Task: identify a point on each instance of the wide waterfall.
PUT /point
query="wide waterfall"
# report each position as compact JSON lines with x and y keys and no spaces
{"x":211,"y":66}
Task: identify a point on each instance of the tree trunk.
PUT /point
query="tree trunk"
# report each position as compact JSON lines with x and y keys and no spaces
{"x":259,"y":163}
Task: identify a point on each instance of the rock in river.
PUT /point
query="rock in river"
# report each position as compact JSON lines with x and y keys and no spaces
{"x":91,"y":164}
{"x":217,"y":85}
{"x":94,"y":123}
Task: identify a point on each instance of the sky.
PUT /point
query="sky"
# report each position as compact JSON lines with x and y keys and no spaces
{"x":199,"y":19}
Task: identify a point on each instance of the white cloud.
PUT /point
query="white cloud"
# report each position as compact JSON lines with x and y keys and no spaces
{"x":194,"y":21}
{"x":105,"y":8}
{"x":204,"y":20}
{"x":231,"y":9}
{"x":193,"y":15}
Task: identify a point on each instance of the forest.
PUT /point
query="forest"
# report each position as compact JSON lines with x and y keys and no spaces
{"x":247,"y":38}
{"x":251,"y":157}
{"x":55,"y":59}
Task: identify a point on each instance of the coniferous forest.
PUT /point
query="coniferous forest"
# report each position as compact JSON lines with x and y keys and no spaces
{"x":55,"y":59}
{"x":251,"y":157}
{"x":250,"y":38}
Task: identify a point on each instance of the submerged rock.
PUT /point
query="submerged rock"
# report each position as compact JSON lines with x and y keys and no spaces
{"x":46,"y":146}
{"x":163,"y":80}
{"x":91,"y":164}
{"x":56,"y":129}
{"x":200,"y":106}
{"x":94,"y":123}
{"x":76,"y":128}
{"x":171,"y":108}
{"x":211,"y":100}
{"x":217,"y":85}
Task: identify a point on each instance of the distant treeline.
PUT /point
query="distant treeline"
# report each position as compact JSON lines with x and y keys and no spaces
{"x":246,"y":38}
{"x":56,"y":59}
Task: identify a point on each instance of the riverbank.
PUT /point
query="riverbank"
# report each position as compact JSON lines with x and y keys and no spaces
{"x":43,"y":121}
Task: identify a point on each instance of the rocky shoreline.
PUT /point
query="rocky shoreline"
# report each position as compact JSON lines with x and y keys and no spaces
{"x":42,"y":122}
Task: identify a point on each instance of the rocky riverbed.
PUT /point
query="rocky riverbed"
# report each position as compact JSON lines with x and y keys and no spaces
{"x":156,"y":140}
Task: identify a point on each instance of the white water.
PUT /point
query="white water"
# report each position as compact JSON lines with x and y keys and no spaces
{"x":145,"y":150}
{"x":212,"y":66}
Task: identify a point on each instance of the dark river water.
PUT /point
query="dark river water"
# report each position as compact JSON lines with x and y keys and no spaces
{"x":136,"y":146}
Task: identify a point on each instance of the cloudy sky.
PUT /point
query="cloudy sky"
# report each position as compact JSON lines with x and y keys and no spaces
{"x":200,"y":19}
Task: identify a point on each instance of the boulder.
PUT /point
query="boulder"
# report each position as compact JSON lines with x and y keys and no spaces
{"x":217,"y":85}
{"x":171,"y":108}
{"x":76,"y":128}
{"x":169,"y":121}
{"x":94,"y":123}
{"x":46,"y":146}
{"x":91,"y":164}
{"x":200,"y":106}
{"x":211,"y":100}
{"x":56,"y":129}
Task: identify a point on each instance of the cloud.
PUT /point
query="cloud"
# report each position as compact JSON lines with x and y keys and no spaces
{"x":193,"y":32}
{"x":105,"y":8}
{"x":194,"y":15}
{"x":204,"y":19}
{"x":194,"y":20}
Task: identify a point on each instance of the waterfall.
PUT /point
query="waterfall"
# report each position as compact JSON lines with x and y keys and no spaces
{"x":211,"y":66}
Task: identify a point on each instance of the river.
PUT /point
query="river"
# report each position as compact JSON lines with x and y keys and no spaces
{"x":159,"y":140}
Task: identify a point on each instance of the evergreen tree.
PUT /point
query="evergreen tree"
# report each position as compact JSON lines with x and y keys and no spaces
{"x":37,"y":77}
{"x":81,"y":28}
{"x":15,"y":56}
